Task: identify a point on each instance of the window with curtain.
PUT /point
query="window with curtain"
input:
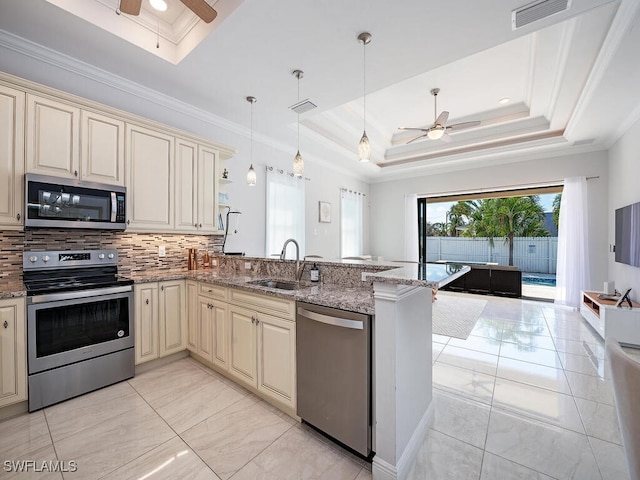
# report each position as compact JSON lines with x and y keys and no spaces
{"x":285,"y":211}
{"x":351,"y":223}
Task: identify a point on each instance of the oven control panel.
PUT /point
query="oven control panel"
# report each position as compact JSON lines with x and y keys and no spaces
{"x":63,"y":259}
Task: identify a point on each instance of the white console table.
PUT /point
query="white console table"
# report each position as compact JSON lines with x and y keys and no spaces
{"x":608,"y":320}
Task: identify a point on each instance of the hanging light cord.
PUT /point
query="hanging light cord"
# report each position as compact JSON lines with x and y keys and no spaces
{"x":298,"y":113}
{"x":364,"y":85}
{"x":252,"y":133}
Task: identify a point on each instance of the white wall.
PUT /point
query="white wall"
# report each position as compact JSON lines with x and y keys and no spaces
{"x":387,"y":199}
{"x":624,"y":162}
{"x":324,"y":184}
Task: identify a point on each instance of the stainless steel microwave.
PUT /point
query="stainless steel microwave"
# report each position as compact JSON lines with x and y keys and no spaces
{"x":54,"y":202}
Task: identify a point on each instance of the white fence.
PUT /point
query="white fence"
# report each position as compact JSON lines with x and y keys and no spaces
{"x":530,"y":254}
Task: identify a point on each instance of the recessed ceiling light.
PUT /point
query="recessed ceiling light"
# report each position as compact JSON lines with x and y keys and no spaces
{"x":504,"y":100}
{"x":159,"y":5}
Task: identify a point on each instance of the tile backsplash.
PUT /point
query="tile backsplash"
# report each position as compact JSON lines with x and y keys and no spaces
{"x":136,"y":251}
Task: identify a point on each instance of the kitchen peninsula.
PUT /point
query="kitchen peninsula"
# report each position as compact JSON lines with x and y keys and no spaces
{"x":399,"y":297}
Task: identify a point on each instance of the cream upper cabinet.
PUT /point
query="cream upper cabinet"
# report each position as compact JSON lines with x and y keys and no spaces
{"x":186,"y":211}
{"x":52,"y":137}
{"x":102,"y":151}
{"x":11,"y":157}
{"x":147,"y":341}
{"x":150,"y":171}
{"x":207,"y":189}
{"x":13,"y":355}
{"x":171,"y":317}
{"x":195,"y":187}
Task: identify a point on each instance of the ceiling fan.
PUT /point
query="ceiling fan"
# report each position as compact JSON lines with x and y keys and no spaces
{"x":439,"y":129}
{"x":200,"y":7}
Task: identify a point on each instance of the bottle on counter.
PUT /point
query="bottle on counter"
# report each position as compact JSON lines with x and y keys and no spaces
{"x":206,"y":260}
{"x":315,"y":273}
{"x":190,"y":259}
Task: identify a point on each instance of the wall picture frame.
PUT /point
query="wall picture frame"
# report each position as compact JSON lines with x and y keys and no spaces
{"x":324,"y":212}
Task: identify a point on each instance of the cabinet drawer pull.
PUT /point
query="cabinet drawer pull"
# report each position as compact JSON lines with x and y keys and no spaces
{"x":147,"y":301}
{"x":5,"y":324}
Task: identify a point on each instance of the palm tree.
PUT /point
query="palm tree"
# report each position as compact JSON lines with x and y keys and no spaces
{"x":508,"y":218}
{"x":458,"y":216}
{"x":555,"y":213}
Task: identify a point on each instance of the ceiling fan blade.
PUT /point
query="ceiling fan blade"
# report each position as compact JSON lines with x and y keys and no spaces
{"x":460,"y":126}
{"x":442,"y":119}
{"x":130,"y":7}
{"x":445,"y":138}
{"x":414,"y":128}
{"x":416,"y":138}
{"x":201,"y":9}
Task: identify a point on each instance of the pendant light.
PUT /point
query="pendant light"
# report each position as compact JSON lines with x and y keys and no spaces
{"x":298,"y":163}
{"x":251,"y":173}
{"x":364,"y":147}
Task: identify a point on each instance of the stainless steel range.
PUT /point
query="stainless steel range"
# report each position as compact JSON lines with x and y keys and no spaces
{"x":79,"y":324}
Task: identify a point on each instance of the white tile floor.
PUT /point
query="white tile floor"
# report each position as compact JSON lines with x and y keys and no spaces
{"x":527,"y":395}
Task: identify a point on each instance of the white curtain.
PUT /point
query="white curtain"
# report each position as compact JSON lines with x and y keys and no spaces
{"x":572,"y":270}
{"x":351,"y":223}
{"x":411,"y":228}
{"x":285,"y":211}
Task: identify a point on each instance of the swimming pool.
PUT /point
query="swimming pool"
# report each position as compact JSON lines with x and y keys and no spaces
{"x":541,"y":279}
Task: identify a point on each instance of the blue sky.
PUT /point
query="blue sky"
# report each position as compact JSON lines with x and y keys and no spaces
{"x":437,"y":212}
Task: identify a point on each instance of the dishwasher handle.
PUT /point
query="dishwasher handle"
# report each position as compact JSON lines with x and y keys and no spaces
{"x":335,"y":321}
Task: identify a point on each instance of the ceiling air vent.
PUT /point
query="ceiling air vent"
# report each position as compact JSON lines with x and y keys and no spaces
{"x":303,"y":106}
{"x":537,"y":11}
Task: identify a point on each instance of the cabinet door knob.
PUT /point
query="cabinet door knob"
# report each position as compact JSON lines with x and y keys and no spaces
{"x":253,"y":319}
{"x":75,"y":173}
{"x":18,"y":217}
{"x":128,"y":222}
{"x":5,"y":324}
{"x":147,"y":301}
{"x":195,"y":225}
{"x":162,"y":288}
{"x":200,"y":225}
{"x":257,"y":321}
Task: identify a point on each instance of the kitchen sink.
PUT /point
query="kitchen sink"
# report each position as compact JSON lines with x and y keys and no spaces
{"x":279,"y":284}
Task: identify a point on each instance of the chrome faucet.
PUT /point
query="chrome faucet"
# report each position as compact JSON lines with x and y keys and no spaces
{"x":283,"y":253}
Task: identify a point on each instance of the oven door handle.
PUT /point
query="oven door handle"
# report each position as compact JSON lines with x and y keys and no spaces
{"x":96,"y":292}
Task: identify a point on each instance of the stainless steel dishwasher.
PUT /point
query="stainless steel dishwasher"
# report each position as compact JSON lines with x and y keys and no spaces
{"x":333,"y":351}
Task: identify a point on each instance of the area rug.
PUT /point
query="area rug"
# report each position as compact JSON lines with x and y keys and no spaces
{"x":456,"y":315}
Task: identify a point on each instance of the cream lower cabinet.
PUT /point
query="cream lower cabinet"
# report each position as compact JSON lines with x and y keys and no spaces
{"x":13,"y":355}
{"x":160,"y":325}
{"x":263,"y":346}
{"x":208,"y":332}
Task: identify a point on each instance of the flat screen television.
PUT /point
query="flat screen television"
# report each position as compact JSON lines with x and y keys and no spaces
{"x":628,"y":235}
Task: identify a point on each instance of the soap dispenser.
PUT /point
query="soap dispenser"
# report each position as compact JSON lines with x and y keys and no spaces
{"x":315,"y":273}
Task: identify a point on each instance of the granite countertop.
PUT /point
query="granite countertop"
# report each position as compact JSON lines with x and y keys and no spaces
{"x":355,"y":299}
{"x":11,"y":287}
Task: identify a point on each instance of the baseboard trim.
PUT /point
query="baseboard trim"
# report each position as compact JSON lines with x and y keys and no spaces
{"x":383,"y":470}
